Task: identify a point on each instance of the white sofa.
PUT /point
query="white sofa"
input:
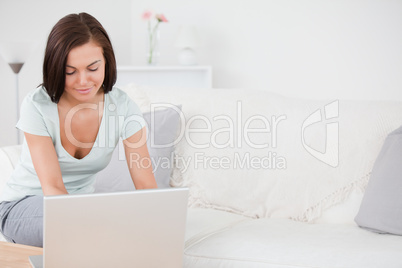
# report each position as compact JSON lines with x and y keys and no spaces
{"x":274,"y":181}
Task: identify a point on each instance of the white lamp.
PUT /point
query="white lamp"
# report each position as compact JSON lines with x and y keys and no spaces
{"x":15,"y":54}
{"x":187,"y":40}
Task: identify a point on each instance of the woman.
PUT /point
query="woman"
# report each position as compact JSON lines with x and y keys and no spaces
{"x":71,"y":125}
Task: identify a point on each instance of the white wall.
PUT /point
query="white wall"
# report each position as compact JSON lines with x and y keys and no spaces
{"x":303,"y":48}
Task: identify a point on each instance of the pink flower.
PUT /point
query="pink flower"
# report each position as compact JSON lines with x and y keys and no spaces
{"x":153,"y":21}
{"x":161,"y":18}
{"x":147,"y":15}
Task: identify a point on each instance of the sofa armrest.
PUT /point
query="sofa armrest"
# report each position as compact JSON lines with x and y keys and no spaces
{"x":8,"y":159}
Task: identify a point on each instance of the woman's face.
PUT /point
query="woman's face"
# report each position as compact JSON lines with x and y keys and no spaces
{"x":85,"y":72}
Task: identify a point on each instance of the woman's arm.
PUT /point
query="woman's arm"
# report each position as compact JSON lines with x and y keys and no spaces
{"x":138,"y":160}
{"x":46,"y":164}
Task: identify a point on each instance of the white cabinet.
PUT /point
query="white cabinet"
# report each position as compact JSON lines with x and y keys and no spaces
{"x":169,"y":76}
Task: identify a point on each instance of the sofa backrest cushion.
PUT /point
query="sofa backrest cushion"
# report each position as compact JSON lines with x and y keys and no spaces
{"x":381,"y":207}
{"x":316,"y":154}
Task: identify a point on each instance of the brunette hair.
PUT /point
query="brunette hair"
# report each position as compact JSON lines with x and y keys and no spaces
{"x":69,"y":32}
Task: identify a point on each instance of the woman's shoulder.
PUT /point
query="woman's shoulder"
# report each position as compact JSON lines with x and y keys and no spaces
{"x":38,"y":95}
{"x":122,"y":101}
{"x":118,"y":97}
{"x":36,"y":110}
{"x":132,"y":95}
{"x":117,"y":93}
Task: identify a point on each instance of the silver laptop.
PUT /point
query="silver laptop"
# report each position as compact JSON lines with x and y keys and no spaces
{"x":143,"y":228}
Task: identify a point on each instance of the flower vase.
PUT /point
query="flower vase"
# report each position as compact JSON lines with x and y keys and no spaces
{"x":153,"y":46}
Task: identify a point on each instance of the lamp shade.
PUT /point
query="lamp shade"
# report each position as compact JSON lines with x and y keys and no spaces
{"x":187,"y":37}
{"x":16,"y":51}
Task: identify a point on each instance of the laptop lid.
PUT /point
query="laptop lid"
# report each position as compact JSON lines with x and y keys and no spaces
{"x":143,"y":228}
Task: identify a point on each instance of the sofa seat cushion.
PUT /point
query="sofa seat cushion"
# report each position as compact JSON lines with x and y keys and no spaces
{"x":286,"y":243}
{"x":202,"y":223}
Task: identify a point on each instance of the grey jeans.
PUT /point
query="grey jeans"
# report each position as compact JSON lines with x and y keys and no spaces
{"x":21,"y":221}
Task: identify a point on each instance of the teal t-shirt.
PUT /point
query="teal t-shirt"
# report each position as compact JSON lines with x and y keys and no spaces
{"x":39,"y":116}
